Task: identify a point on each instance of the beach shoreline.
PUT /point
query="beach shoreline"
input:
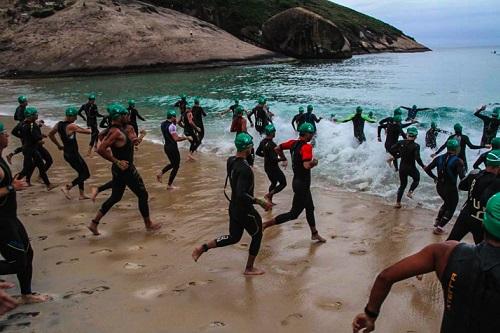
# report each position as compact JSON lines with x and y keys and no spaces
{"x":131,"y":280}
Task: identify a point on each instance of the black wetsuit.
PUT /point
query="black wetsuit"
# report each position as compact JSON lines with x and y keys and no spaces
{"x":91,"y":114}
{"x":297,"y":120}
{"x":481,"y":186}
{"x":449,"y":167}
{"x":261,"y":118}
{"x":189,"y":130}
{"x":31,"y":137}
{"x":464,"y":142}
{"x":301,"y":185}
{"x":198,"y":114}
{"x":182,"y":105}
{"x":386,"y":120}
{"x":412,"y":113}
{"x":490,"y":127}
{"x":15,"y":246}
{"x":271,"y":167}
{"x":409,"y":151}
{"x":233,"y":110}
{"x":129,"y":178}
{"x":481,"y":159}
{"x":134,"y":114}
{"x":105,"y":122}
{"x":19,"y":117}
{"x":431,"y":136}
{"x":171,"y":150}
{"x":310,"y":118}
{"x":393,"y":131}
{"x":471,"y":289}
{"x":242,"y":214}
{"x":358,"y":124}
{"x":72,"y":155}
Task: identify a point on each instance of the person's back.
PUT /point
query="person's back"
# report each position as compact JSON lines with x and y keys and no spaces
{"x":448,"y":169}
{"x":408,"y":151}
{"x":471,"y":287}
{"x":241,"y":179}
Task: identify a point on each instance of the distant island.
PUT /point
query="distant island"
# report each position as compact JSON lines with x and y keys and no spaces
{"x":78,"y":37}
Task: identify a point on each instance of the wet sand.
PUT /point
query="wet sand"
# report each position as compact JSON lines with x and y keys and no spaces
{"x":128,"y":280}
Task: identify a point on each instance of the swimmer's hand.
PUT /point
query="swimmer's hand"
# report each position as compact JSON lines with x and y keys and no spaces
{"x":143,"y":132}
{"x":19,"y":184}
{"x":7,"y":303}
{"x":189,"y":138}
{"x":362,"y":321}
{"x":314,"y":162}
{"x":123,"y":165}
{"x":267,"y":206}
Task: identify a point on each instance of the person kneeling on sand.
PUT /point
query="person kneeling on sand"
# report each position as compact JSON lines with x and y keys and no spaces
{"x":242,"y":214}
{"x":469,"y":276}
{"x":15,"y":245}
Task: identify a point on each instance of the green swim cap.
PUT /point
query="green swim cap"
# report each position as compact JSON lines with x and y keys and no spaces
{"x":243,"y":141}
{"x":2,"y":128}
{"x":196,"y":100}
{"x":414,"y":107}
{"x":398,"y":112}
{"x":22,"y":99}
{"x":491,"y":219}
{"x":171,"y":113}
{"x":458,"y":128}
{"x":71,"y":112}
{"x":495,"y":112}
{"x":310,"y":108}
{"x":236,"y":102}
{"x":433,"y":125}
{"x":452,"y":144}
{"x":301,"y":109}
{"x":397,"y":118}
{"x":183,"y":97}
{"x":92,"y":97}
{"x":412,"y":131}
{"x":261,"y":101}
{"x":116,"y":110}
{"x":30,"y":112}
{"x":495,"y":143}
{"x":306,"y":128}
{"x":493,"y":158}
{"x":359,"y":109}
{"x":370,"y":114}
{"x":239,"y":110}
{"x":131,"y":102}
{"x":270,"y":129}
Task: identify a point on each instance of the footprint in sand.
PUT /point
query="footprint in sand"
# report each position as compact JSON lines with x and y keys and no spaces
{"x":79,"y":236}
{"x":217,"y":324}
{"x":331,"y":305}
{"x":358,"y":252}
{"x":71,"y":261}
{"x":3,"y":327}
{"x":182,"y":288}
{"x":84,"y":292}
{"x":131,"y":265}
{"x":218,"y":269}
{"x":148,"y":293}
{"x":101,"y":251}
{"x":54,"y":247}
{"x":135,"y":248}
{"x":22,"y":315}
{"x":291,"y":318}
{"x":243,"y":246}
{"x":42,"y":238}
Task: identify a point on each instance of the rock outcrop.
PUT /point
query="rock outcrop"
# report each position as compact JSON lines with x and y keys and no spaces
{"x":248,"y":19}
{"x":303,"y":34}
{"x":88,"y":36}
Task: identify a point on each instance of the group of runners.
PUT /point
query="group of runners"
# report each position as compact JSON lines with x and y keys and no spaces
{"x":465,"y":271}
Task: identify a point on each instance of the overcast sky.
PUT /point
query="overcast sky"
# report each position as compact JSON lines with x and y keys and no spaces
{"x":438,"y":22}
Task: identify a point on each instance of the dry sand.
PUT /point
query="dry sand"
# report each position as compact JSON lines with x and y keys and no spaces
{"x":128,"y":280}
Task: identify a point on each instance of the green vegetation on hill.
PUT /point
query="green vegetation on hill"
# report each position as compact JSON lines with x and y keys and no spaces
{"x":244,"y":18}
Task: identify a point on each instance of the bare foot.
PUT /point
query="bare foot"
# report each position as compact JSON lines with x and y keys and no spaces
{"x":409,"y":194}
{"x":197,"y":252}
{"x":191,"y":158}
{"x":158,"y":177}
{"x":419,"y":277}
{"x":438,"y":231}
{"x":253,"y":271}
{"x":65,"y":191}
{"x":153,"y":226}
{"x":93,"y":228}
{"x":50,"y":187}
{"x":397,"y":205}
{"x":94,"y":192}
{"x":34,"y":298}
{"x":83,"y":197}
{"x":317,"y":237}
{"x":172,"y":187}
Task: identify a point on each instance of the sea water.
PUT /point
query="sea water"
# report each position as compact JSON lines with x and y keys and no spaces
{"x":451,"y":81}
